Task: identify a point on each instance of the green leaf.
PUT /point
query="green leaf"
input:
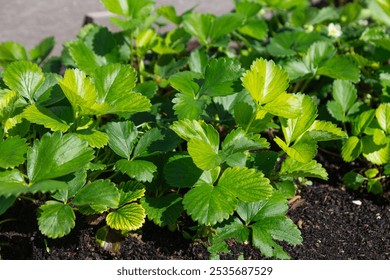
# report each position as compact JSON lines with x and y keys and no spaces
{"x":79,"y":90}
{"x":184,"y":82}
{"x":209,"y":205}
{"x":24,"y":78}
{"x":169,"y":12}
{"x":199,"y":25}
{"x":55,"y":219}
{"x":221,"y":77}
{"x":336,"y":111}
{"x":255,"y":28}
{"x":191,"y":129}
{"x":341,"y":68}
{"x":187,"y":106}
{"x":198,"y":61}
{"x":163,"y":210}
{"x":325,"y":131}
{"x":43,"y":116}
{"x":293,"y":169}
{"x":95,"y":138}
{"x":203,"y":154}
{"x":130,"y":191}
{"x":351,"y":149}
{"x":156,"y":141}
{"x":271,"y":223}
{"x":6,"y":203}
{"x":233,"y":228}
{"x":225,"y":24}
{"x":181,"y":172}
{"x":345,"y":94}
{"x":238,"y":141}
{"x":382,"y":114}
{"x":362,"y":122}
{"x":140,"y":170}
{"x":280,"y":229}
{"x":84,"y":57}
{"x":377,"y":154}
{"x":303,"y":151}
{"x":319,"y":53}
{"x":7,"y":105}
{"x":375,"y":187}
{"x":121,"y":137}
{"x":246,"y":184}
{"x":295,"y":128}
{"x":285,"y":105}
{"x":12,"y":152}
{"x":129,"y":217}
{"x":353,"y":180}
{"x":42,"y":50}
{"x":298,"y":70}
{"x":265,"y":81}
{"x":100,"y":195}
{"x":56,"y":155}
{"x":133,"y":9}
{"x":10,"y":52}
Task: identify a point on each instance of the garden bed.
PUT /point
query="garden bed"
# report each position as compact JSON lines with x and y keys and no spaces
{"x":332,"y":226}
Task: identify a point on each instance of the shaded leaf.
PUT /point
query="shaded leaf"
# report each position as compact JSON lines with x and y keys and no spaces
{"x":163,"y":210}
{"x":180,"y":171}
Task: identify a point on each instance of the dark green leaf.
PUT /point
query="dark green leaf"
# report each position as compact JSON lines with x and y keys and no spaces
{"x":180,"y":171}
{"x":55,"y":219}
{"x":12,"y":152}
{"x":163,"y":210}
{"x":42,"y":50}
{"x":57,"y":155}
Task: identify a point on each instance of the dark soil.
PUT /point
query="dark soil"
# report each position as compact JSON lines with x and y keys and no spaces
{"x":332,"y":226}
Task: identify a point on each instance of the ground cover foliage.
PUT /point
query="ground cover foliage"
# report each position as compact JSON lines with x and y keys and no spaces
{"x":208,"y":130}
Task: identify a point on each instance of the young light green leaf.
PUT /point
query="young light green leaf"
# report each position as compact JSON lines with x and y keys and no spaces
{"x":10,"y":52}
{"x":140,"y":170}
{"x":191,"y":129}
{"x":24,"y":78}
{"x":43,"y":116}
{"x":129,"y":217}
{"x":209,"y":205}
{"x":351,"y":149}
{"x":377,"y":154}
{"x":293,"y":169}
{"x":295,"y":128}
{"x":79,"y":90}
{"x":303,"y":151}
{"x":95,"y":138}
{"x":184,"y":82}
{"x":246,"y":184}
{"x":121,"y":137}
{"x":221,"y":77}
{"x":164,"y":210}
{"x":362,"y":122}
{"x":56,"y":155}
{"x":204,"y":155}
{"x":12,"y":152}
{"x":285,"y":105}
{"x":181,"y":172}
{"x":55,"y":219}
{"x":382,"y":114}
{"x":100,"y":194}
{"x":255,"y":28}
{"x":7,"y":105}
{"x":265,"y":81}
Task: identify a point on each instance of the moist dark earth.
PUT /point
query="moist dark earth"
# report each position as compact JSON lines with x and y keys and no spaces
{"x":333,"y":227}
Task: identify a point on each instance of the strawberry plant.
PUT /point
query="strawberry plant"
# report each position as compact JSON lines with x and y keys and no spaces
{"x":208,"y":129}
